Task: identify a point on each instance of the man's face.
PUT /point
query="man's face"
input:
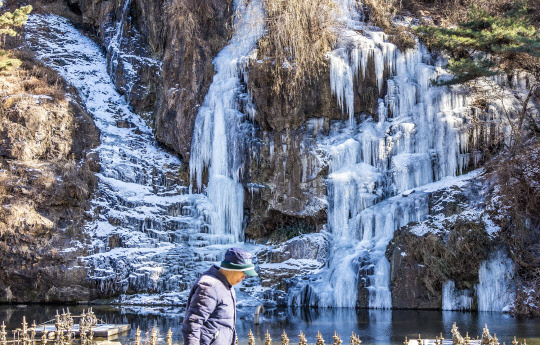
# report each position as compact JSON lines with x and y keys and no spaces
{"x":236,"y":277}
{"x":233,"y":277}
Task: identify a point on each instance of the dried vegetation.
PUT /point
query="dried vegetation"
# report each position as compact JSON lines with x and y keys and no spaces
{"x":449,"y":12}
{"x":516,"y":206}
{"x":381,"y":13}
{"x":299,"y":34}
{"x":456,"y":255}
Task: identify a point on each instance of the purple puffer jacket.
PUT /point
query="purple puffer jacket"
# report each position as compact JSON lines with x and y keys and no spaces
{"x":210,"y":311}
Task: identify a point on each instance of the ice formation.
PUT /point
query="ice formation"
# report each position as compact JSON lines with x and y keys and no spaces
{"x":420,"y":135}
{"x":121,"y":58}
{"x":455,"y":299}
{"x":153,"y":235}
{"x":496,"y":290}
{"x":219,"y":137}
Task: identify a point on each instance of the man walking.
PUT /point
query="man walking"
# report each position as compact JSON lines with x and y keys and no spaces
{"x":211,"y":306}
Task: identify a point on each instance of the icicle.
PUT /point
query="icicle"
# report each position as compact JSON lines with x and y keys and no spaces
{"x":454,"y":299}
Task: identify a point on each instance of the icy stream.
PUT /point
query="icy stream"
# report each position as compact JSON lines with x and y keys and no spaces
{"x":150,"y":234}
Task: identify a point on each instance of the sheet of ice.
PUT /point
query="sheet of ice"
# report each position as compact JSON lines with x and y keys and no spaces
{"x":418,"y":143}
{"x":455,"y":299}
{"x":147,"y":223}
{"x":496,"y":289}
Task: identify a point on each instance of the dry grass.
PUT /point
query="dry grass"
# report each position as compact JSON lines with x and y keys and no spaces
{"x":299,"y":34}
{"x":518,"y":197}
{"x":380,"y":13}
{"x":36,"y":78}
{"x":438,"y":12}
{"x":515,"y":204}
{"x":46,"y":176}
{"x":34,"y":113}
{"x":457,"y":257}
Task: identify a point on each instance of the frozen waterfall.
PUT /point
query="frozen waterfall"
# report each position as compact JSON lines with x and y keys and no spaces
{"x":455,"y":299}
{"x":418,"y":137}
{"x":496,"y":290}
{"x":154,"y":234}
{"x":219,"y":137}
{"x":149,"y":234}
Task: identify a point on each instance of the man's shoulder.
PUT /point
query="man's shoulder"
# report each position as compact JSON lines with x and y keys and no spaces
{"x":209,"y":282}
{"x":207,"y":279}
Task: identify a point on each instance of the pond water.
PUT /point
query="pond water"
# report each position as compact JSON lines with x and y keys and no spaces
{"x":373,"y":326}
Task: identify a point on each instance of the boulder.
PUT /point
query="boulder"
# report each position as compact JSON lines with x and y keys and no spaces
{"x":305,"y":254}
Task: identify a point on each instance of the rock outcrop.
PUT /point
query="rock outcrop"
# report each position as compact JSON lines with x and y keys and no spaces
{"x":46,"y":180}
{"x":160,"y":55}
{"x":288,"y":173}
{"x":301,"y":255}
{"x":449,"y":245}
{"x":287,"y":189}
{"x":162,"y":61}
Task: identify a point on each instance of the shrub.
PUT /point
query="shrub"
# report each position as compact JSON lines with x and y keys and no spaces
{"x":486,"y":44}
{"x":517,"y":202}
{"x":9,"y":21}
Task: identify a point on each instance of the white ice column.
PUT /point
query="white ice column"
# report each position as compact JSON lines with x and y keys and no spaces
{"x":219,"y":137}
{"x":379,"y":290}
{"x":455,"y":299}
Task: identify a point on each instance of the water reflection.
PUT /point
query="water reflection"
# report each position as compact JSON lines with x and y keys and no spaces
{"x":379,"y":327}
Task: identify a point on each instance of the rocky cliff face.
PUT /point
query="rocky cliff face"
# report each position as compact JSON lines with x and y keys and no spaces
{"x":160,"y":55}
{"x":46,"y":180}
{"x":300,"y":256}
{"x":289,"y":172}
{"x":162,"y":61}
{"x":286,"y":189}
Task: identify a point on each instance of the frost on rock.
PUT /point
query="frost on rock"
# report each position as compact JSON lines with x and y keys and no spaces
{"x":457,"y":211}
{"x":299,"y":256}
{"x":129,"y":64}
